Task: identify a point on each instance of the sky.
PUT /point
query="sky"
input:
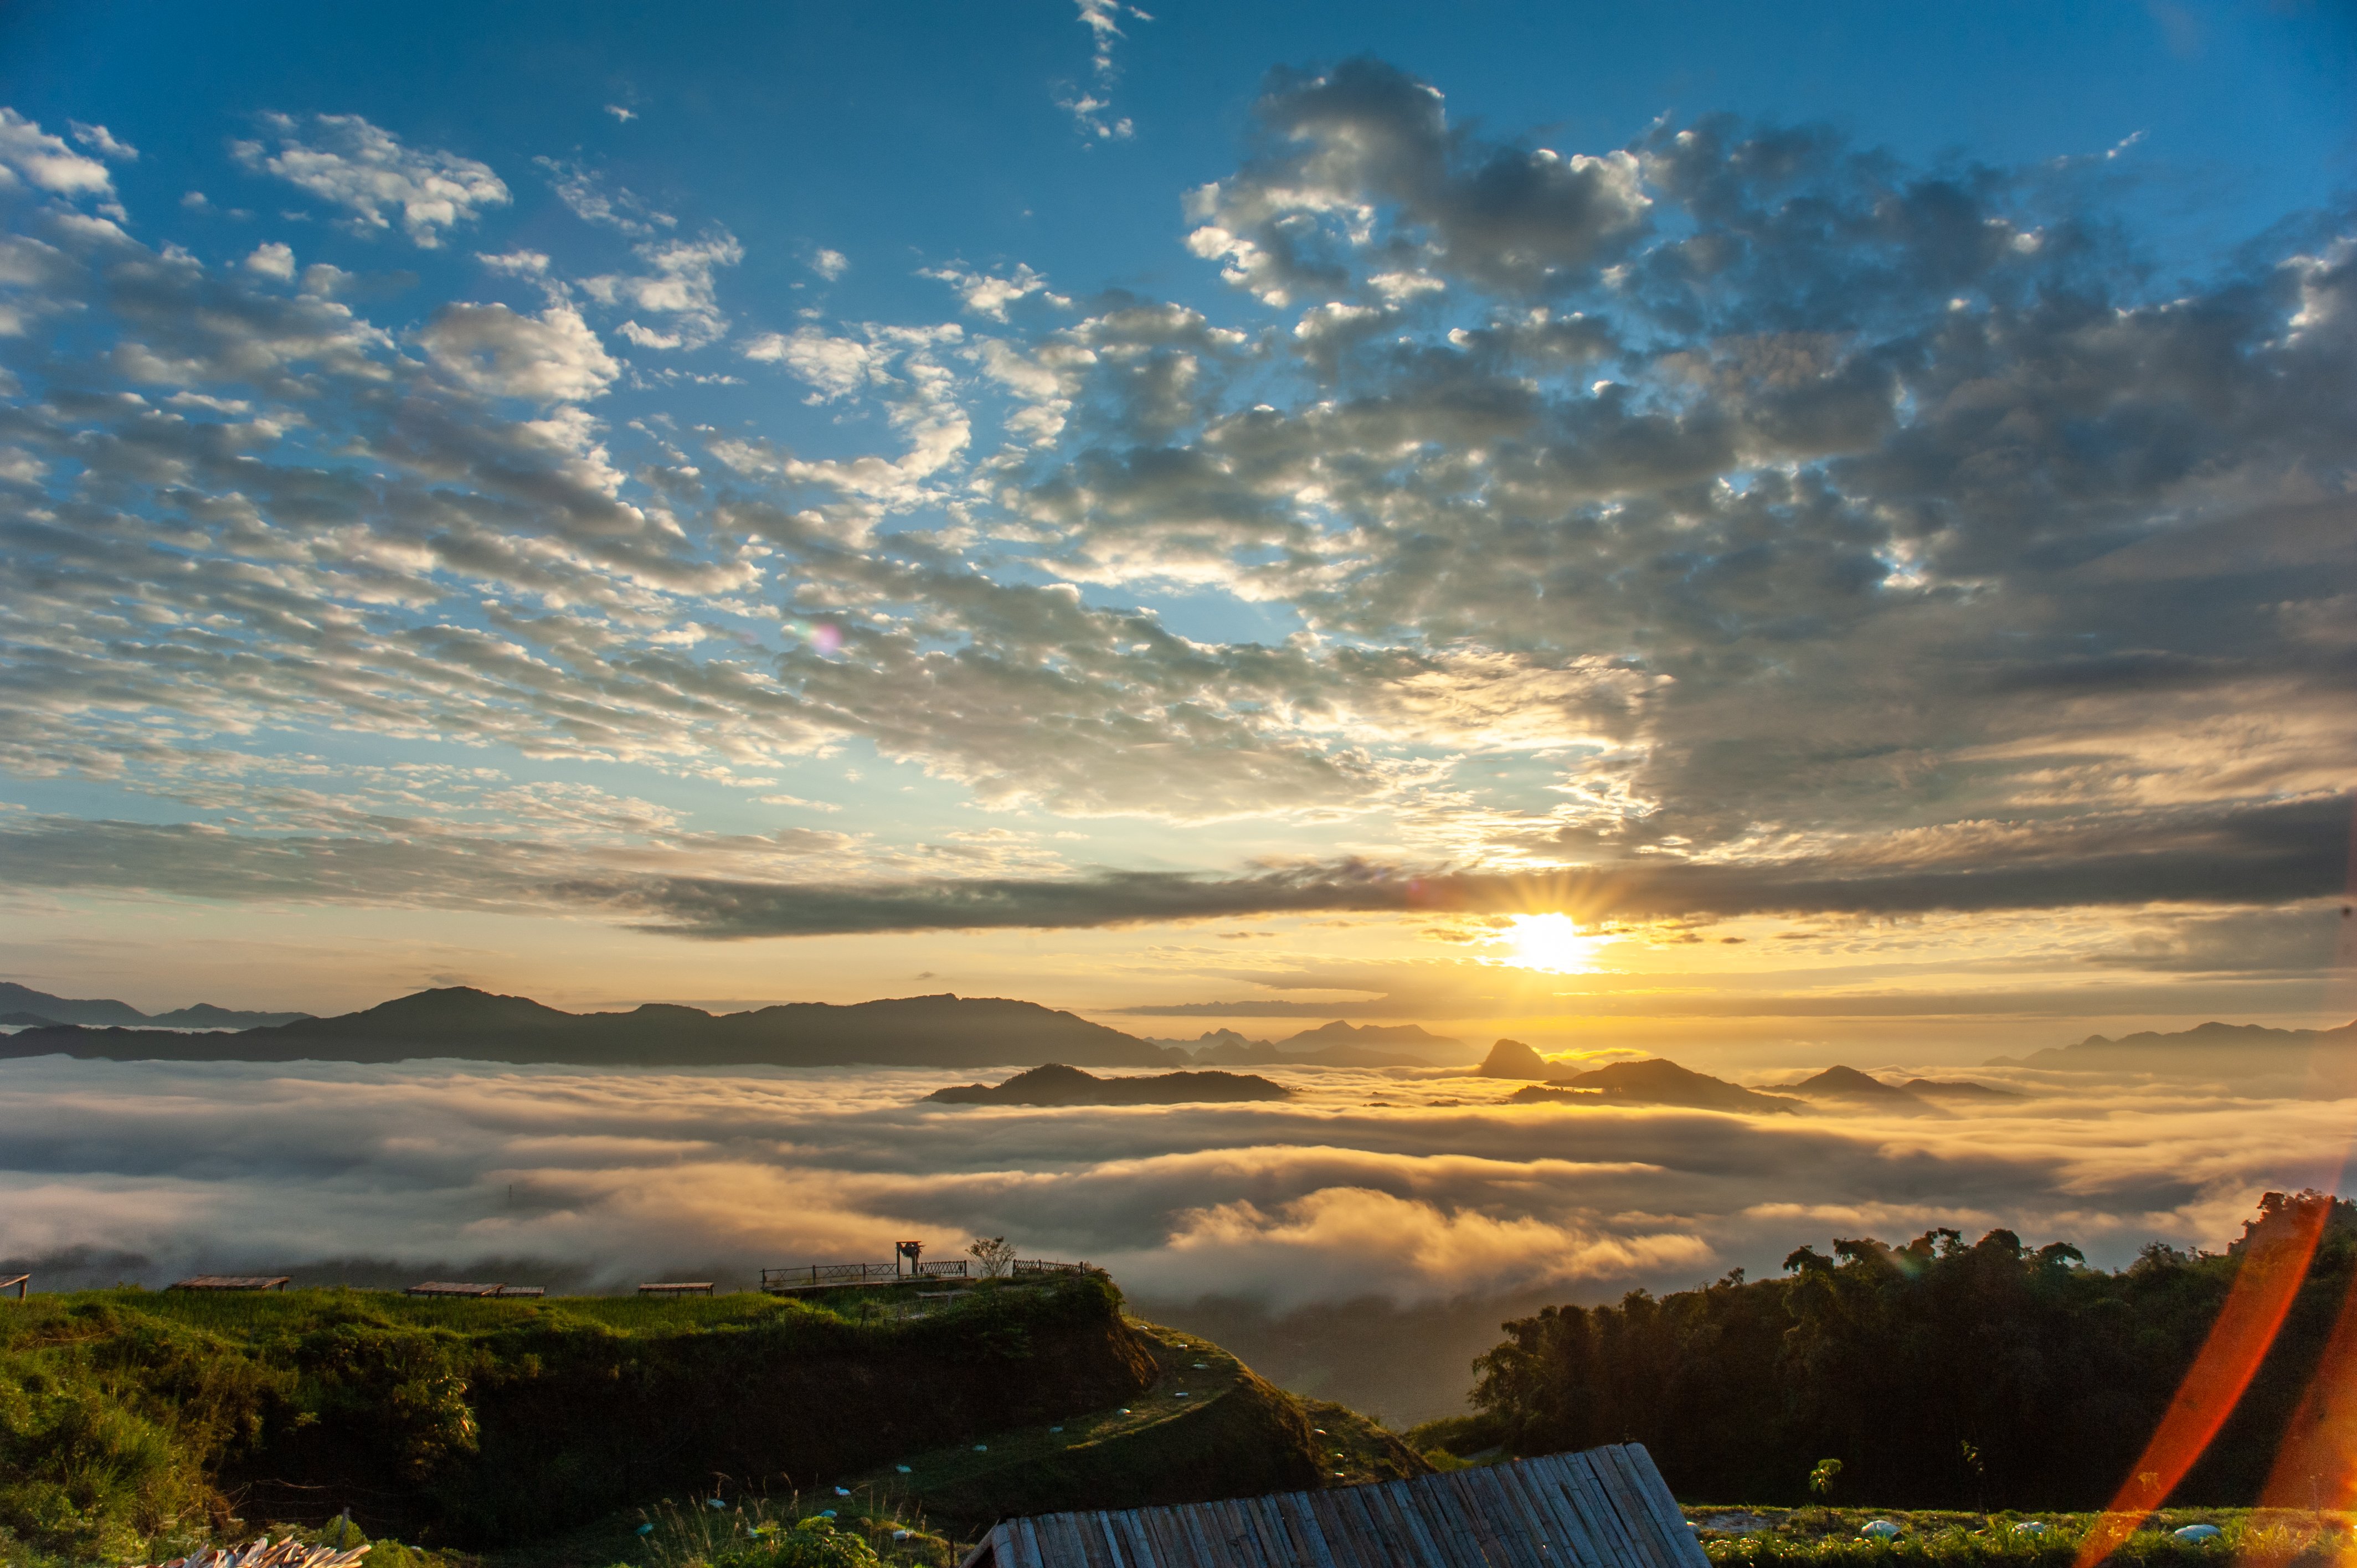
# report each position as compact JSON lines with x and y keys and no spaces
{"x":1749,"y":532}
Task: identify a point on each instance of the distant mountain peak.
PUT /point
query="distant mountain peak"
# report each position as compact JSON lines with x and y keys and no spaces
{"x":1513,"y":1059}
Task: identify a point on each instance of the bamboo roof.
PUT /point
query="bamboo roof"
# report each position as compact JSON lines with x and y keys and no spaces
{"x":1606,"y":1507}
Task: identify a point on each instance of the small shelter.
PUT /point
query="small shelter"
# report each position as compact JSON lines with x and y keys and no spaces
{"x":677,"y":1287}
{"x":458,"y":1287}
{"x":1606,"y":1507}
{"x":21,"y":1284}
{"x":232,"y":1282}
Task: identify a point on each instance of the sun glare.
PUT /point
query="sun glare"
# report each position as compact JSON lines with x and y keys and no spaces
{"x":1550,"y":942}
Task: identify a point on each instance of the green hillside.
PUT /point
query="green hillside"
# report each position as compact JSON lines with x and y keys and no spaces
{"x":131,"y":1419}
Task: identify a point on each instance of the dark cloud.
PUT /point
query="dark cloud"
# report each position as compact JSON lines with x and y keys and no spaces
{"x":2267,"y":856}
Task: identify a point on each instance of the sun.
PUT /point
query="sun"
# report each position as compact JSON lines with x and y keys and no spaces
{"x":1550,"y":942}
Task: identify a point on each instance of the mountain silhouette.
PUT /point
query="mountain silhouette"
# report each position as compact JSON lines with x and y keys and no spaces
{"x":463,"y":1022}
{"x":21,"y":1004}
{"x":1057,"y":1084}
{"x":1512,"y":1059}
{"x":1655,"y":1082}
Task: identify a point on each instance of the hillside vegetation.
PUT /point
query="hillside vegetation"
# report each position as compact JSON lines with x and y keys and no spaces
{"x":129,"y":1418}
{"x":1939,"y":1374}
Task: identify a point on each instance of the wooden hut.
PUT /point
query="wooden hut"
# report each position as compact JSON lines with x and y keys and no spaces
{"x":1606,"y":1507}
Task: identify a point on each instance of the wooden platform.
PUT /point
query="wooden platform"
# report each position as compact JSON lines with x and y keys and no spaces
{"x":1607,"y":1508}
{"x":232,"y":1282}
{"x":677,"y":1287}
{"x":458,"y":1287}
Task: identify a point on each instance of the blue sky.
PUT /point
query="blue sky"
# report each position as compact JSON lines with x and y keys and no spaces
{"x":1232,"y":507}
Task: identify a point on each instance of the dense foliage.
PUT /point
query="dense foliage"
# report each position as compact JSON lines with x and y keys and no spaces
{"x":1939,"y":1374}
{"x":129,"y":1418}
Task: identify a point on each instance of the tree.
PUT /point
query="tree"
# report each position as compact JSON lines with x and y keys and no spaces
{"x":995,"y":1254}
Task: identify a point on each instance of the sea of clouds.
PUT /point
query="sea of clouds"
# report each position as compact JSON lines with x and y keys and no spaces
{"x":1418,"y":1186}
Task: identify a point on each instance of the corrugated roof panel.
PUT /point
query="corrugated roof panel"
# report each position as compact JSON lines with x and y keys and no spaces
{"x":1608,"y":1508}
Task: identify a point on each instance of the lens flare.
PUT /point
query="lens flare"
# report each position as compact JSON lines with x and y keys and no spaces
{"x":2263,"y":1287}
{"x":1552,"y":943}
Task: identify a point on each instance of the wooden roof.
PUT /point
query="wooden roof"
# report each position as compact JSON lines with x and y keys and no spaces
{"x":1606,"y":1507}
{"x":467,"y":1287}
{"x":232,"y":1282}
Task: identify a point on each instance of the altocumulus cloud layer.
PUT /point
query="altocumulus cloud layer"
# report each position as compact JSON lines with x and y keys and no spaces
{"x":1414,"y":1185}
{"x":1812,"y":532}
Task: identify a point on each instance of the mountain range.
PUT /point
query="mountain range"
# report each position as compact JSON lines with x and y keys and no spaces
{"x":1337,"y":1044}
{"x":21,"y":1007}
{"x":2226,"y":1050}
{"x":460,"y":1021}
{"x":1657,"y":1081}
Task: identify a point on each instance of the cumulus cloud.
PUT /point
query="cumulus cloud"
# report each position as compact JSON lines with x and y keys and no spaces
{"x":677,"y":287}
{"x":1734,"y":522}
{"x":272,"y":260}
{"x":103,"y":142}
{"x":550,"y":357}
{"x":371,"y":174}
{"x":32,"y":156}
{"x":988,"y":295}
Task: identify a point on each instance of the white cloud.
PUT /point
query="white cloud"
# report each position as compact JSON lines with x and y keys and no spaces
{"x":988,"y":295}
{"x":98,"y":139}
{"x":838,"y":367}
{"x":1102,"y":20}
{"x":45,"y":161}
{"x":550,"y":357}
{"x":584,"y":190}
{"x":830,"y":264}
{"x":369,"y":172}
{"x":272,"y":260}
{"x":621,"y":115}
{"x":678,"y":284}
{"x":518,"y":264}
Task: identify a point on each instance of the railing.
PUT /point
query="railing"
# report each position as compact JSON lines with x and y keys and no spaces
{"x":807,"y":1276}
{"x":1047,"y":1266}
{"x":831,"y":1276}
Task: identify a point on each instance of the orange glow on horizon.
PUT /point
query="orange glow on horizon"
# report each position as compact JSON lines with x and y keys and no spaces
{"x":2255,"y":1307}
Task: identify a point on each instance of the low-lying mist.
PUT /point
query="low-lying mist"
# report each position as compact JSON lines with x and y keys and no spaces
{"x":1361,"y":1240}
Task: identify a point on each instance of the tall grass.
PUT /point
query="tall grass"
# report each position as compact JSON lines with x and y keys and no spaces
{"x":787,"y":1531}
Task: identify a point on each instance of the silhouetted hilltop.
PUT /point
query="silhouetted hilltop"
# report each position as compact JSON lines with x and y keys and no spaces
{"x":460,"y":1021}
{"x":1337,"y":1044}
{"x":1328,"y":1040}
{"x":1512,"y":1059}
{"x":1655,"y":1082}
{"x":1057,"y":1084}
{"x":23,"y":1005}
{"x":2206,"y":1048}
{"x":1849,"y":1085}
{"x":1958,"y":1089}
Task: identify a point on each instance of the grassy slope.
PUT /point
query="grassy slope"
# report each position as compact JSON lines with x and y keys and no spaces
{"x":1829,"y":1538}
{"x":1207,"y":1427}
{"x":130,"y":1418}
